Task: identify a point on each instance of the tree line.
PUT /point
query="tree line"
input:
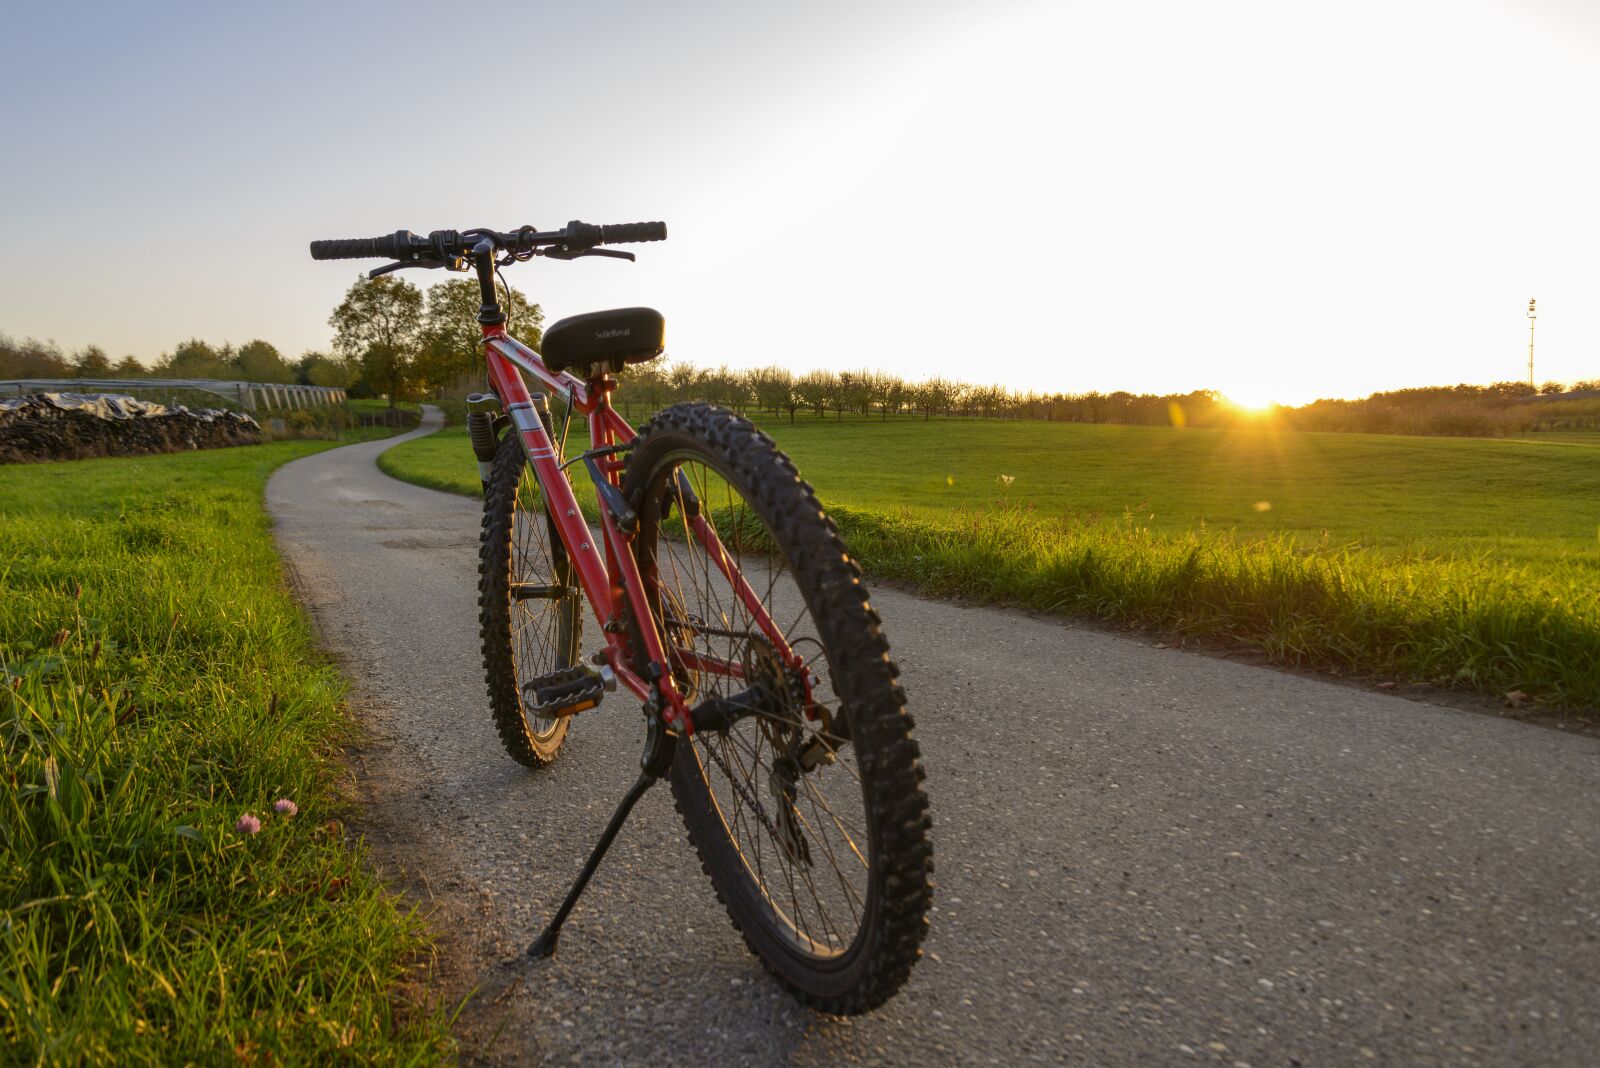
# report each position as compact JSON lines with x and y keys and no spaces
{"x":1498,"y":408}
{"x":395,"y":340}
{"x":390,"y":339}
{"x":254,"y":361}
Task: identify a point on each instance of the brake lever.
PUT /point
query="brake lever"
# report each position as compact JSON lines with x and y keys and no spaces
{"x":572,"y":254}
{"x":455,"y":263}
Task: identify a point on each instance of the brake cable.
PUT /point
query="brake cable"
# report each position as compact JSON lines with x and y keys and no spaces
{"x":511,"y":306}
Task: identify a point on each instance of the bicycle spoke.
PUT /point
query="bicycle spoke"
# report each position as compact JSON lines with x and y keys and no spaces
{"x":789,"y":867}
{"x":833,"y":862}
{"x":541,"y":628}
{"x":783,"y":830}
{"x":816,"y":798}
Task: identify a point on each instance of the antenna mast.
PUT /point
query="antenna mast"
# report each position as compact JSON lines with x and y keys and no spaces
{"x":1532,"y":318}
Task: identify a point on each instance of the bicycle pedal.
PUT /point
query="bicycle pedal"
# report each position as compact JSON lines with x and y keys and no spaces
{"x":568,"y":691}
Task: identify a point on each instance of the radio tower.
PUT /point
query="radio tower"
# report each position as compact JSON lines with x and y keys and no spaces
{"x":1532,"y":318}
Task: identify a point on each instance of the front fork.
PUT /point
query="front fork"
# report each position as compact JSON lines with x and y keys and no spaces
{"x":483,"y":431}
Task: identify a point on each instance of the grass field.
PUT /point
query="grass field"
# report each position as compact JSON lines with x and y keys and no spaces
{"x":1460,"y":561}
{"x":159,"y":684}
{"x":377,"y":406}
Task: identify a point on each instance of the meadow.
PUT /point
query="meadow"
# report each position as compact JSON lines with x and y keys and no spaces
{"x":1467,"y":562}
{"x":159,"y":687}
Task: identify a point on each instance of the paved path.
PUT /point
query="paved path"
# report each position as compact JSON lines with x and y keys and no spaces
{"x":1144,"y":856}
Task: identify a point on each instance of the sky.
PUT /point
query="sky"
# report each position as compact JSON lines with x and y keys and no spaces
{"x":1280,"y":200}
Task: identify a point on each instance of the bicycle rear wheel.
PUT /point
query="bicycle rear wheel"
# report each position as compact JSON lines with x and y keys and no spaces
{"x":528,"y":626}
{"x":808,"y":815}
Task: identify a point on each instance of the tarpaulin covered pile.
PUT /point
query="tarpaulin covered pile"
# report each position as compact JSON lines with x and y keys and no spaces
{"x":69,"y":426}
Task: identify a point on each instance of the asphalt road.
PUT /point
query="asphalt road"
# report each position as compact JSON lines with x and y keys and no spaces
{"x":1144,"y":856}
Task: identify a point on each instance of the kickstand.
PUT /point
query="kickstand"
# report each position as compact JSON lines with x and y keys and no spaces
{"x":658,"y":751}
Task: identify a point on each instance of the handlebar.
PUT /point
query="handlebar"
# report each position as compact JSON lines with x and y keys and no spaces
{"x":575,"y":237}
{"x":622,"y":233}
{"x":395,"y":246}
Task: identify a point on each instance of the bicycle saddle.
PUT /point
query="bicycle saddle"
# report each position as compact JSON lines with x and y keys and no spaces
{"x":603,"y":341}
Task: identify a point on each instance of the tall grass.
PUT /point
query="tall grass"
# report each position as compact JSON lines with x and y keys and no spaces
{"x":159,"y":684}
{"x":1471,"y":622}
{"x":1426,"y":565}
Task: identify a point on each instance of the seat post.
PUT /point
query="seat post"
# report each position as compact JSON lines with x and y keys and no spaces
{"x":601,"y":386}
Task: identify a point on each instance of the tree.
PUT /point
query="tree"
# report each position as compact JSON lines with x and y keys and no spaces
{"x":320,"y":369}
{"x":791,"y":401}
{"x":451,"y":334}
{"x":258,"y":361}
{"x":31,"y":359}
{"x":683,"y":378}
{"x":773,"y":389}
{"x":128,"y":367}
{"x":452,"y":339}
{"x":863,"y":387}
{"x":644,"y":382}
{"x":815,"y":389}
{"x":727,"y":388}
{"x":380,"y":323}
{"x":197,"y":359}
{"x":931,"y":396}
{"x":188,"y":352}
{"x":91,"y":362}
{"x":870,"y":387}
{"x":892,"y":394}
{"x":843,"y":392}
{"x":771,"y":386}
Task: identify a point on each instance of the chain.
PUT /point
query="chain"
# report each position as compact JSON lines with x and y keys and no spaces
{"x":744,"y":794}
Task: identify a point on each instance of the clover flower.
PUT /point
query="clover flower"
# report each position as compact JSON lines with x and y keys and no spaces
{"x":284,"y":807}
{"x":247,"y":824}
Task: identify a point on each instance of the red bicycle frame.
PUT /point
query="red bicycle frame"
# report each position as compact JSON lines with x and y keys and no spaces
{"x":612,"y":584}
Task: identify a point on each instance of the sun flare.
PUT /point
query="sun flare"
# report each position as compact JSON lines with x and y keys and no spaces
{"x":1254,"y":400}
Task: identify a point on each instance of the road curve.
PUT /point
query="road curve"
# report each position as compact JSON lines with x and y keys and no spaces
{"x":1143,"y":856}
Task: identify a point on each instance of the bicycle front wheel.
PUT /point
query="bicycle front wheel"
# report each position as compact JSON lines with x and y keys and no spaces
{"x":528,"y":605}
{"x":802,"y":788}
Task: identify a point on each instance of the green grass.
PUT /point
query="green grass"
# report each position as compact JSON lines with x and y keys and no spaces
{"x":351,"y":434}
{"x":442,"y":460}
{"x":157,"y":682}
{"x":374,"y":405}
{"x":1465,"y":562}
{"x":1536,"y":501}
{"x":1582,"y":437}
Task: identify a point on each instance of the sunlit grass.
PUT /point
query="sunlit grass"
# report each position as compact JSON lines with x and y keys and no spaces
{"x":158,"y":683}
{"x":1467,"y":562}
{"x":1469,"y":621}
{"x":1530,"y":501}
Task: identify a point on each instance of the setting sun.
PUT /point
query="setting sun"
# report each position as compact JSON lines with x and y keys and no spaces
{"x":1247,"y":399}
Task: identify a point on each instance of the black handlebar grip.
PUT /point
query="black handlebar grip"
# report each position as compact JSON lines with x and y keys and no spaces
{"x":395,"y":246}
{"x":618,"y":233}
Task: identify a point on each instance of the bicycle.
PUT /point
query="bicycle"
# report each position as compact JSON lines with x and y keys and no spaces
{"x":775,"y":715}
